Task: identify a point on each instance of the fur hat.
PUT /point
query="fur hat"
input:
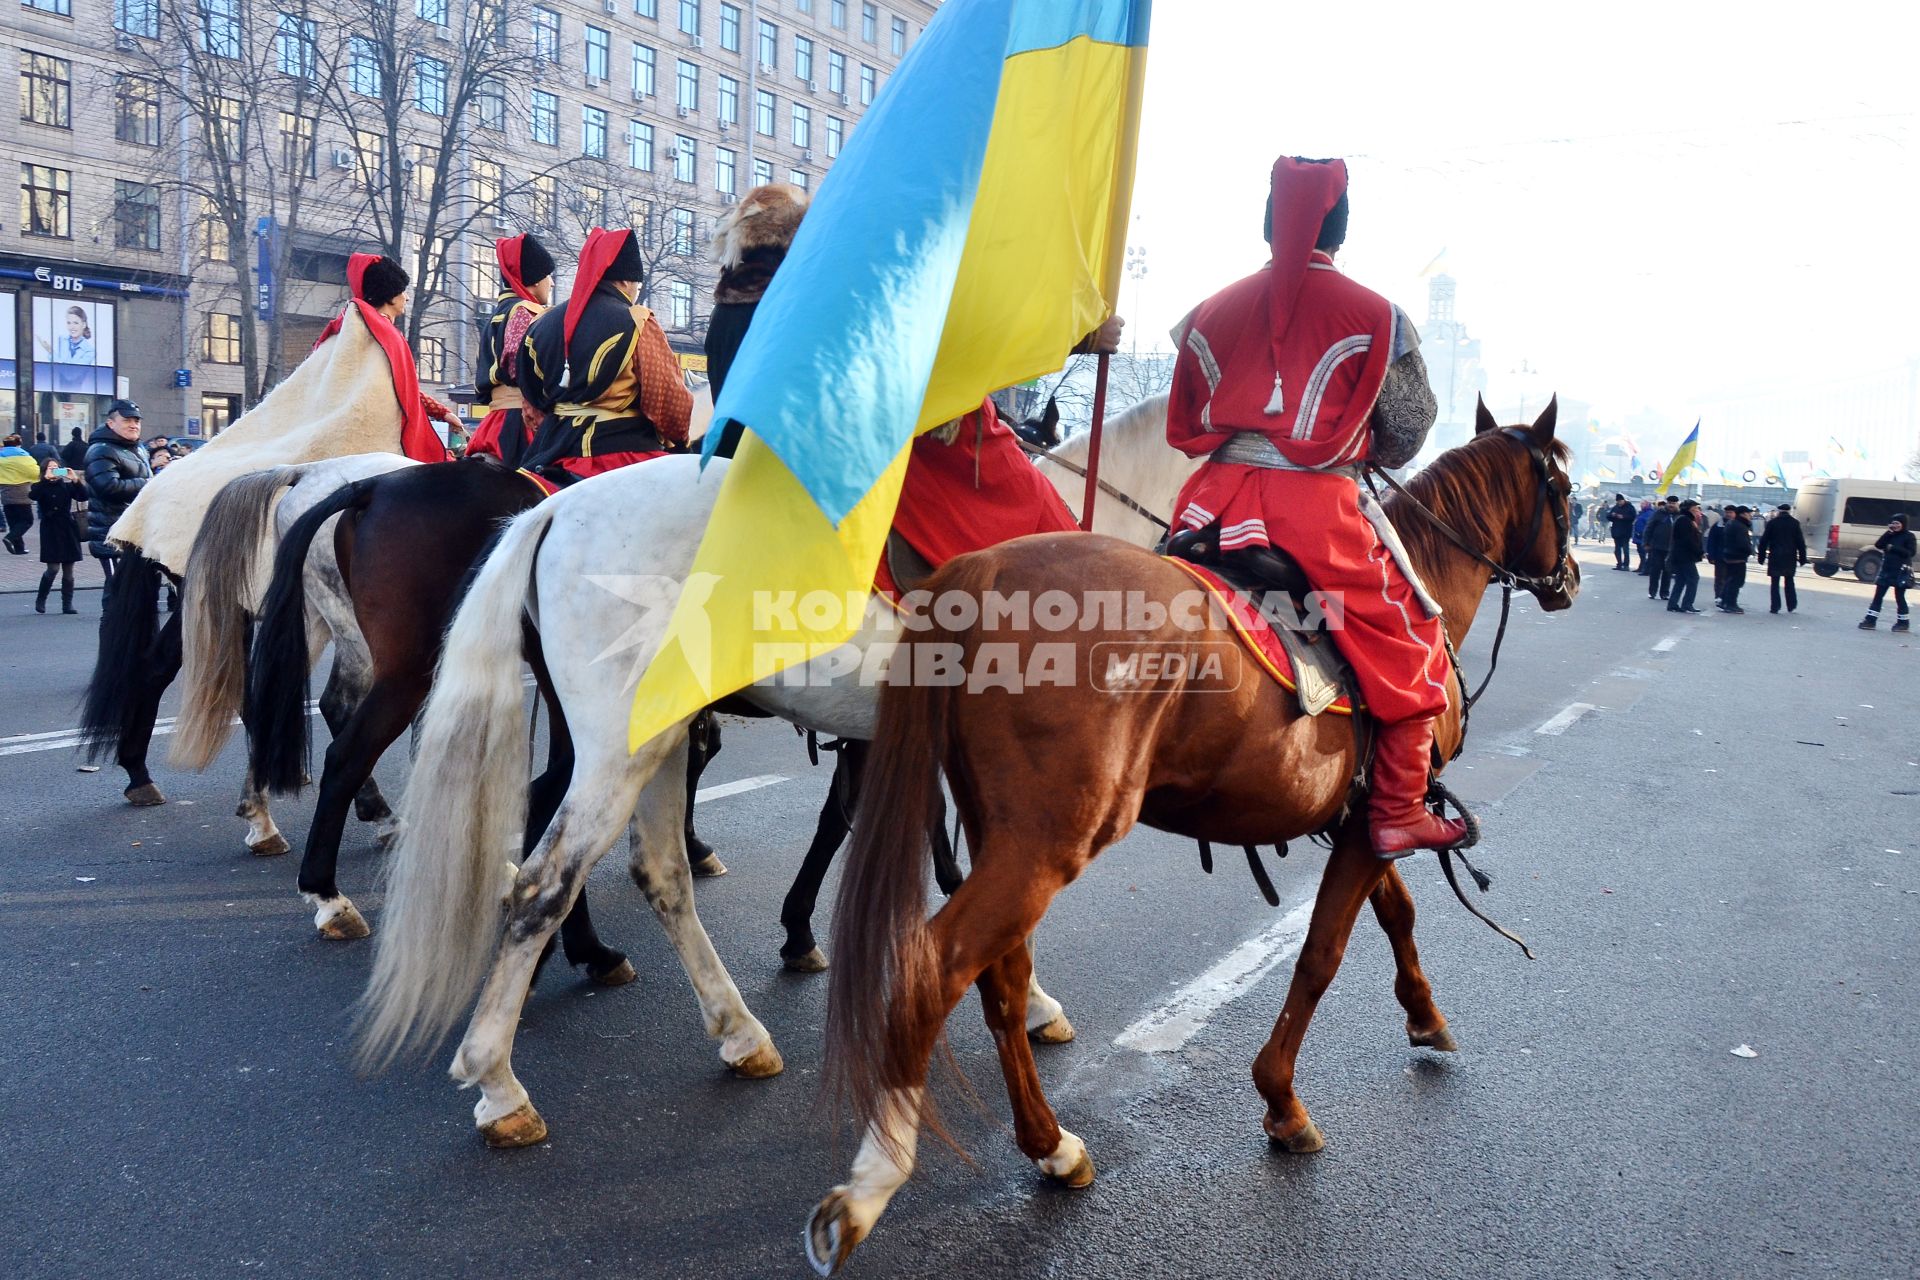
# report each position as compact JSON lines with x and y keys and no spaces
{"x":536,"y":264}
{"x":765,"y":218}
{"x":626,"y":264}
{"x":383,"y":281}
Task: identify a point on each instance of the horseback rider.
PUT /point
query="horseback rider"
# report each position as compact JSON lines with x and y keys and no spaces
{"x":601,"y":372}
{"x":1290,"y":381}
{"x":378,"y":286}
{"x":750,"y":243}
{"x":526,"y":273}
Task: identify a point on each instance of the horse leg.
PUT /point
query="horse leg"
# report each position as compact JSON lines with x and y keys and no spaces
{"x":1348,"y":881}
{"x":143,"y":708}
{"x":1003,"y":997}
{"x":704,"y":737}
{"x":263,"y":836}
{"x":348,"y":684}
{"x":1393,"y":908}
{"x":660,"y":868}
{"x":380,"y":718}
{"x":800,"y":952}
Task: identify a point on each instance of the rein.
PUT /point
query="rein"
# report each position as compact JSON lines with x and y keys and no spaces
{"x":1035,"y":451}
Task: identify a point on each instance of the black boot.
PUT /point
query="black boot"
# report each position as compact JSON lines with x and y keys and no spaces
{"x":46,"y":586}
{"x":66,"y":598}
{"x":1870,"y":622}
{"x":1901,"y":625}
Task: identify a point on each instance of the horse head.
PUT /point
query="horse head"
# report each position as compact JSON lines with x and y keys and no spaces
{"x":1537,"y":552}
{"x":1042,"y":432}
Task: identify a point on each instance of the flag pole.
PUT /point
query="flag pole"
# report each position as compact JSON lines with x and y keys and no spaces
{"x":1093,"y":443}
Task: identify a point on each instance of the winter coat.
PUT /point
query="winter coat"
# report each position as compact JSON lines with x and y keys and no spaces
{"x":1640,"y":523}
{"x":1783,"y":546}
{"x":59,"y":533}
{"x":1620,"y":519}
{"x":116,"y":473}
{"x":1896,"y":551}
{"x":1658,"y":535}
{"x":1736,"y":541}
{"x":1686,"y":546}
{"x":1715,"y":537}
{"x":73,"y":454}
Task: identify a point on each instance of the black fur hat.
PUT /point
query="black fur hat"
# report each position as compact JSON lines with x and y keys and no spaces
{"x":536,"y":264}
{"x":626,"y":264}
{"x":384,"y":281}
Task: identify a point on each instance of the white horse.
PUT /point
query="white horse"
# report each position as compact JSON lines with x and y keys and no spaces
{"x":597,"y":571}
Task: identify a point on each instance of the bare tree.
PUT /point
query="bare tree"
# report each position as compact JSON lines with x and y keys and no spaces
{"x":668,"y":228}
{"x":1132,"y":376}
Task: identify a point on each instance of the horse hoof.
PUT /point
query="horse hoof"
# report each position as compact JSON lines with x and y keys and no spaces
{"x":832,"y":1234}
{"x":521,"y":1127}
{"x":1059,"y":1031}
{"x":344,"y":925}
{"x":1302,"y":1141}
{"x":385,"y":836}
{"x":145,"y":796}
{"x":815,"y":961}
{"x":709,"y":867}
{"x":1440,"y":1041}
{"x":1080,"y":1175}
{"x":618,"y":976}
{"x":760,"y":1064}
{"x":272,"y":847}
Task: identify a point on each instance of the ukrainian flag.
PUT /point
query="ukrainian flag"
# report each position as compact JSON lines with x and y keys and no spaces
{"x":1683,"y":458}
{"x":971,"y":232}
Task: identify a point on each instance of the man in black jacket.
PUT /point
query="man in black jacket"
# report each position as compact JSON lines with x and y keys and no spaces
{"x":1736,"y":548}
{"x":1684,"y":550}
{"x":73,"y":454}
{"x":117,"y":470}
{"x":1620,"y":524}
{"x":1896,"y":547}
{"x":1656,"y":538}
{"x":1783,"y":548}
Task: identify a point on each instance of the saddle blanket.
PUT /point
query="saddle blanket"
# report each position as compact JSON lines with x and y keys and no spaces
{"x":1306,"y":667}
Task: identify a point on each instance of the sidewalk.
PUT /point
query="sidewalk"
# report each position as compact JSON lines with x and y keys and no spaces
{"x":22,"y":573}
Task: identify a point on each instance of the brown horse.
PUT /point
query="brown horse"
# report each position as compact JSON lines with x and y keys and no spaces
{"x":1193,"y":750}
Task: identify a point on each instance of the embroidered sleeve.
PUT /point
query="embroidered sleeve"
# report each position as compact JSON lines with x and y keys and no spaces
{"x":518,"y":322}
{"x":664,"y":397}
{"x":1404,"y":412}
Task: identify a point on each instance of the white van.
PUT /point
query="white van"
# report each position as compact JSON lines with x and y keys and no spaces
{"x":1844,"y":518}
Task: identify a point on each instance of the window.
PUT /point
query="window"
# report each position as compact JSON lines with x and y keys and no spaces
{"x":226,"y":129}
{"x":136,"y":110}
{"x":679,"y":305}
{"x":729,"y":100}
{"x":769,"y":45}
{"x":639,"y":145}
{"x":869,"y":23}
{"x":803,"y":58}
{"x":430,"y":85}
{"x":686,"y":159}
{"x":489,"y":29}
{"x":61,"y":7}
{"x":643,"y":69}
{"x":836,"y":71}
{"x":490,"y":104}
{"x":762,"y":172}
{"x":598,"y":43}
{"x":593,"y":132}
{"x":434,"y":11}
{"x":219,"y":27}
{"x":802,"y":126}
{"x":730,"y":27}
{"x":431,"y":360}
{"x":804,"y":6}
{"x":137,"y":17}
{"x":546,"y":118}
{"x":798,"y":177}
{"x":136,"y":216}
{"x":296,"y":144}
{"x":216,"y":413}
{"x":483,"y":178}
{"x":836,"y":135}
{"x":647,"y":8}
{"x":423,"y":171}
{"x":725,"y":166}
{"x":46,"y":90}
{"x":686,"y":85}
{"x":363,"y":67}
{"x":546,"y":34}
{"x":869,"y":81}
{"x":690,"y":17}
{"x":212,"y":233}
{"x":837,"y":11}
{"x":543,"y":199}
{"x":46,"y":201}
{"x":683,"y":232}
{"x":899,"y":45}
{"x":369,"y":156}
{"x":763,"y":106}
{"x":591,"y":206}
{"x":222,"y":342}
{"x":293,"y":47}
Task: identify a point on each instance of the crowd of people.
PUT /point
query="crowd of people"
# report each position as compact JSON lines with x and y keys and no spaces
{"x":1667,"y":541}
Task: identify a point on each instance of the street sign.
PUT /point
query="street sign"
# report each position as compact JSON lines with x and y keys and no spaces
{"x":183,"y":377}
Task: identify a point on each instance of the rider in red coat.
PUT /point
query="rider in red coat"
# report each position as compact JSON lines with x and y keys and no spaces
{"x":1288,"y":381}
{"x":378,"y":286}
{"x":526,"y":272}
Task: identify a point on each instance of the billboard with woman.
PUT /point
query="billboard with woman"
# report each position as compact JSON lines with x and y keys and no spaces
{"x":73,"y":346}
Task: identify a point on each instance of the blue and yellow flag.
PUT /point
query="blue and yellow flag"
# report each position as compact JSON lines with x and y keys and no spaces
{"x":1683,"y":457}
{"x":971,"y":232}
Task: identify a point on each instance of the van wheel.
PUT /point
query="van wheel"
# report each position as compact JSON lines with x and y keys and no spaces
{"x":1867,"y":567}
{"x":1826,"y":570}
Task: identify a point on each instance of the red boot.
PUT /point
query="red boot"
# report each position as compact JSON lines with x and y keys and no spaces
{"x":1397,"y":804}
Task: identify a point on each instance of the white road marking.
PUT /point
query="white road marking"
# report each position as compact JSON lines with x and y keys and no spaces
{"x":735,"y":788}
{"x":1169,"y":1027}
{"x":1666,"y":645}
{"x":1567,"y":715}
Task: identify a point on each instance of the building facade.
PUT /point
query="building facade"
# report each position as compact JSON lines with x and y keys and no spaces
{"x":139,"y":264}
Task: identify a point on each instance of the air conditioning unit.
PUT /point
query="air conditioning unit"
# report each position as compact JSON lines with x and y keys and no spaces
{"x":807,"y":155}
{"x":725,"y":128}
{"x":843,"y":99}
{"x":813,"y":86}
{"x":769,"y":69}
{"x":443,"y":33}
{"x":683,"y":112}
{"x":126,"y":43}
{"x":611,"y":6}
{"x":673,"y":153}
{"x":342,"y":158}
{"x":594,"y":82}
{"x":640,"y":95}
{"x":694,"y":42}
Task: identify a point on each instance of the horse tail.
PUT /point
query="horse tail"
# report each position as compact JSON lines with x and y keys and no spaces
{"x":279,"y":731}
{"x":218,"y":599}
{"x":127,"y":632}
{"x":463,"y":815}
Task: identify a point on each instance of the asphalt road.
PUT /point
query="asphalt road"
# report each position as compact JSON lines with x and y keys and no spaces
{"x":1719,"y":847}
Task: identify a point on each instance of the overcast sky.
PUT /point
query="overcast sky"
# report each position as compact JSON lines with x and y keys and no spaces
{"x":1666,"y":205}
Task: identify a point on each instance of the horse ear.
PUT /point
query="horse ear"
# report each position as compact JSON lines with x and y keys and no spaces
{"x":1050,"y":418}
{"x":1544,"y":424}
{"x":1482,"y":417}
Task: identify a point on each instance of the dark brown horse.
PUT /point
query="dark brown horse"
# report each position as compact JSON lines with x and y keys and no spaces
{"x":1194,"y":750}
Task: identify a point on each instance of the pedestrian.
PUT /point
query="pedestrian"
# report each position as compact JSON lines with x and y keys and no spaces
{"x":1658,"y":538}
{"x":156,"y":446}
{"x":1716,"y":533}
{"x":116,"y":472}
{"x":18,"y":472}
{"x":1640,"y":523}
{"x":42,"y":451}
{"x":1620,"y":524}
{"x":1783,"y":548}
{"x":1736,"y":548}
{"x":56,"y":492}
{"x":1577,"y":512}
{"x":1684,"y":551}
{"x":1896,"y":548}
{"x":73,"y":454}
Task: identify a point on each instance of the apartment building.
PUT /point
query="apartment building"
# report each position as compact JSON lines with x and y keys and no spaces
{"x":119,"y":277}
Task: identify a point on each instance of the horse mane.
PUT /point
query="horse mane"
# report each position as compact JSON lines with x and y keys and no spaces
{"x":1473,"y":487}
